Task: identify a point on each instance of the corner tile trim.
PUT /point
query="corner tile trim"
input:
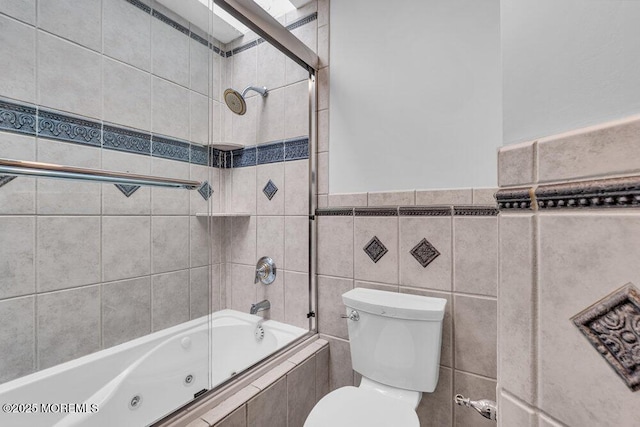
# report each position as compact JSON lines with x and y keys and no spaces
{"x":603,"y":193}
{"x":593,"y":194}
{"x":425,"y":211}
{"x":612,"y":327}
{"x":516,"y":198}
{"x":475,"y":211}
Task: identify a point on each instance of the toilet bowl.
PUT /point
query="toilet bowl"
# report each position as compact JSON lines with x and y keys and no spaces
{"x":395,"y":344}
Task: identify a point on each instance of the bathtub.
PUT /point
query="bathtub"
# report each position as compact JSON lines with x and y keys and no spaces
{"x":140,"y":381}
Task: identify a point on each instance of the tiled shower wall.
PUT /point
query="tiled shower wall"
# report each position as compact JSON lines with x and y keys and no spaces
{"x":456,"y":261}
{"x":574,"y":248}
{"x":278,"y":224}
{"x":84,"y":267}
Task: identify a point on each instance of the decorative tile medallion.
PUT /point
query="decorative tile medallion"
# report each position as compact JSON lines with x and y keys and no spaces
{"x":126,"y":189}
{"x":205,"y":190}
{"x":375,"y":249}
{"x":5,"y":179}
{"x":270,"y":190}
{"x":612,"y":326}
{"x":424,"y":252}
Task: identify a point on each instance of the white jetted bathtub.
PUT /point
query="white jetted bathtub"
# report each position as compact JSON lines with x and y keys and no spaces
{"x":138,"y":382}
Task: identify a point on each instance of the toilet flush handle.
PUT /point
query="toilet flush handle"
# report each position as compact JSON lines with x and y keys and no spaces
{"x":352,"y":316}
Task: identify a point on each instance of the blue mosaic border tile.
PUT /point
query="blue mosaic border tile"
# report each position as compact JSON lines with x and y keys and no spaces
{"x":69,"y":129}
{"x":271,"y":153}
{"x":114,"y":138}
{"x":296,"y":149}
{"x":199,"y":39}
{"x":302,"y":21}
{"x":199,"y":155}
{"x":242,"y":158}
{"x":287,"y":150}
{"x":170,"y":149}
{"x":17,"y":118}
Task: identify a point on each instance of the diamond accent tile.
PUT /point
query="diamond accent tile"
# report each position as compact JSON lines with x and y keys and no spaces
{"x":127,"y":190}
{"x":5,"y":179}
{"x":612,"y":326}
{"x":205,"y":190}
{"x":270,"y":190}
{"x":424,"y":252}
{"x":375,"y":249}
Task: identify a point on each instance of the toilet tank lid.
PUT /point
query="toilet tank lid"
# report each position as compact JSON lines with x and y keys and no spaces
{"x":393,"y":304}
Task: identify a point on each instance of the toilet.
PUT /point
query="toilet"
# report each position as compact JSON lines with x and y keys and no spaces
{"x":395,"y":345}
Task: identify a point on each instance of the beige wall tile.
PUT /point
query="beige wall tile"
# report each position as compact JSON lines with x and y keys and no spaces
{"x":270,"y":117}
{"x":475,"y":261}
{"x":386,"y":230}
{"x":436,"y":408}
{"x":127,"y":95}
{"x":19,"y":196}
{"x":169,"y":299}
{"x":296,"y":298}
{"x":169,"y":201}
{"x":65,"y":334}
{"x":17,"y":340}
{"x":348,"y":200}
{"x":169,"y":243}
{"x":169,"y":53}
{"x":516,"y":306}
{"x":331,"y":307}
{"x":127,"y":33}
{"x":340,"y":368}
{"x":170,"y":107}
{"x":444,"y":197}
{"x":78,"y":22}
{"x":606,"y":149}
{"x":475,"y":326}
{"x":301,"y":392}
{"x":126,"y":310}
{"x":270,"y":63}
{"x":275,"y":173}
{"x":126,"y":252}
{"x":296,"y":243}
{"x":17,"y":255}
{"x":243,"y":290}
{"x":296,"y":189}
{"x":18,"y":41}
{"x":392,"y":198}
{"x":515,"y":413}
{"x":516,"y":164}
{"x":335,"y":246}
{"x":586,"y":257}
{"x":243,"y":240}
{"x":23,"y":10}
{"x":237,"y":418}
{"x":269,"y":407}
{"x":484,"y":196}
{"x":322,"y":373}
{"x":244,"y":190}
{"x":437,"y":231}
{"x":199,"y":290}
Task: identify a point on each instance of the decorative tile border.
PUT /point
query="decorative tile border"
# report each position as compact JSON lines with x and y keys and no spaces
{"x":335,"y":212}
{"x":376,"y":211}
{"x":272,"y":153}
{"x":17,"y":118}
{"x":425,"y":211}
{"x":611,"y":326}
{"x":280,"y":151}
{"x":475,"y":211}
{"x":411,"y":211}
{"x":517,"y":198}
{"x":63,"y":127}
{"x":68,"y":128}
{"x":601,"y":193}
{"x":114,"y":138}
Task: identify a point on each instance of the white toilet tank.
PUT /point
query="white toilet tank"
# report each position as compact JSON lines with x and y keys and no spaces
{"x":397,"y":337}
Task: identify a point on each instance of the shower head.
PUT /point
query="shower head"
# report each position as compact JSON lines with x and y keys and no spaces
{"x":235,"y":100}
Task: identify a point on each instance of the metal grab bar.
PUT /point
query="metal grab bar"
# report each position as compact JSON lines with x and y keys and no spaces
{"x":48,"y":170}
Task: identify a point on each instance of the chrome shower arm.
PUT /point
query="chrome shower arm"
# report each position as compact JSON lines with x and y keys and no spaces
{"x":261,"y":90}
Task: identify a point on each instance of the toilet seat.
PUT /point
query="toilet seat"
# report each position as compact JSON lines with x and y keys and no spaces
{"x":357,"y":407}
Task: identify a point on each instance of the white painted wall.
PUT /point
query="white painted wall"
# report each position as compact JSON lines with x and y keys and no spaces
{"x":415,"y":97}
{"x":568,"y":64}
